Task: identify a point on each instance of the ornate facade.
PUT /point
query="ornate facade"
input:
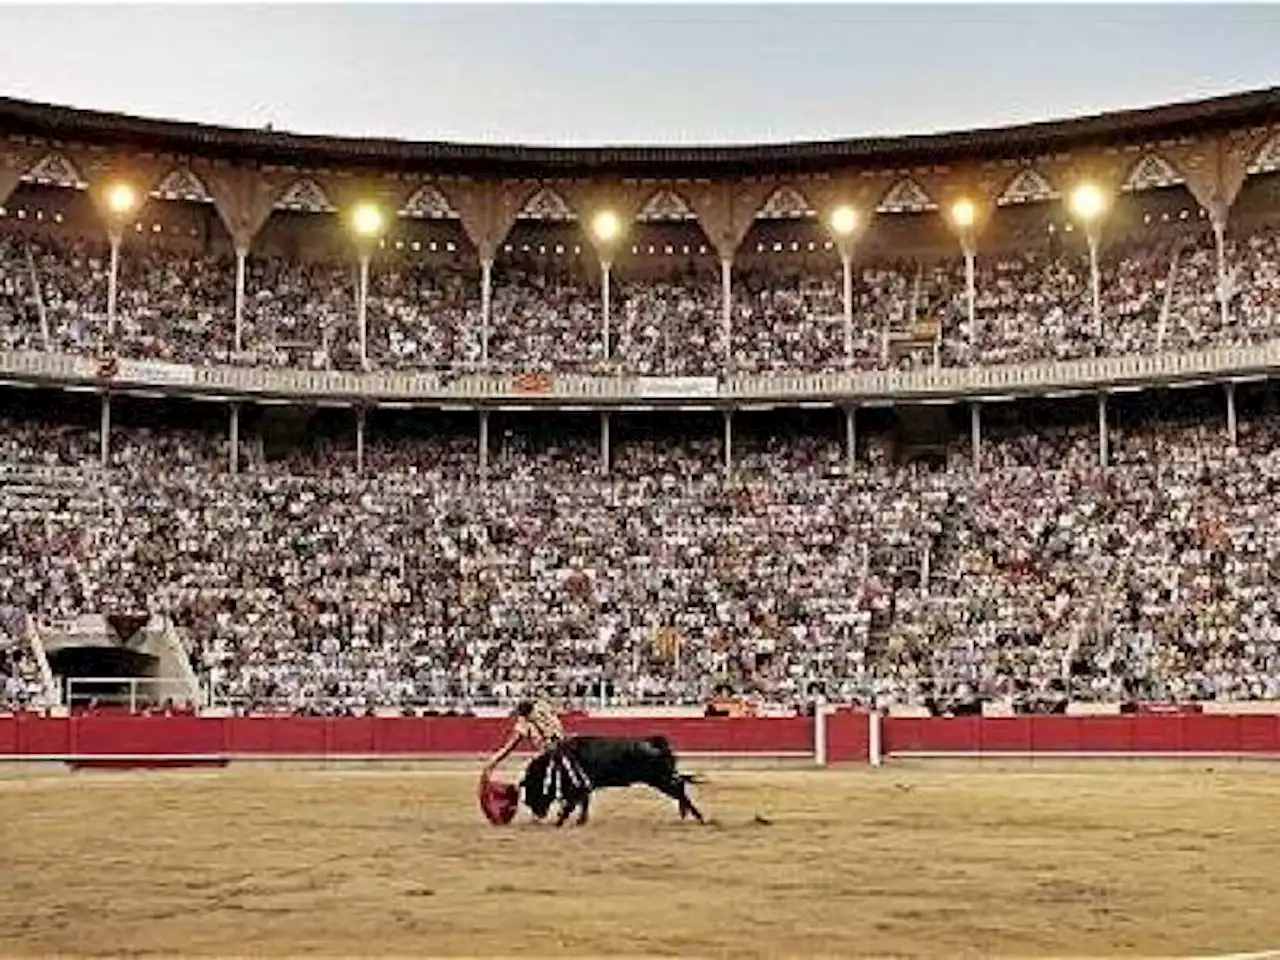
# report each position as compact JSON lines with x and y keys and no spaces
{"x":1210,"y":147}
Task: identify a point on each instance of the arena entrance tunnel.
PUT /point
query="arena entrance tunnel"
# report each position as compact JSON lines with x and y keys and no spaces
{"x":106,"y":676}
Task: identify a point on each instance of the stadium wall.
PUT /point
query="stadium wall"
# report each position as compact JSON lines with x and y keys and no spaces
{"x":841,"y":737}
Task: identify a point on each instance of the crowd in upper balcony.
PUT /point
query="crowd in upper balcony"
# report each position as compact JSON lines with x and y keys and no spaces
{"x":303,"y":585}
{"x":1162,"y":293}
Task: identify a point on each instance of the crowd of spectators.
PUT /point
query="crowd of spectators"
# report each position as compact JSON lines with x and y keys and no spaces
{"x":421,"y":314}
{"x":303,"y":585}
{"x":20,"y":683}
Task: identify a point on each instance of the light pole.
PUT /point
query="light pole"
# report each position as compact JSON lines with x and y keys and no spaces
{"x":242,"y":254}
{"x":122,"y":200}
{"x":726,"y":299}
{"x":367,"y":223}
{"x":843,"y":222}
{"x":606,"y":230}
{"x":1088,"y":204}
{"x":1220,"y":247}
{"x":486,"y":307}
{"x":963,"y":216}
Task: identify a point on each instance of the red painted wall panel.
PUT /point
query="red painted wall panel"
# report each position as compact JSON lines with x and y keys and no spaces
{"x":1152,"y":733}
{"x":465,"y":736}
{"x":43,"y":736}
{"x":848,"y":738}
{"x":762,"y":735}
{"x":248,"y":734}
{"x":300,"y":735}
{"x":901,"y":734}
{"x":9,"y":735}
{"x":1139,"y":733}
{"x":1259,"y":734}
{"x":114,"y":734}
{"x":932,"y":734}
{"x":400,"y":735}
{"x":350,"y":735}
{"x":1083,"y":734}
{"x":1006,"y":733}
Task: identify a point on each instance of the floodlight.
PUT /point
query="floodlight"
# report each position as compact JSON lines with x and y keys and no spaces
{"x":606,"y":225}
{"x":367,"y":220}
{"x":844,"y":220}
{"x":963,"y":213}
{"x":1087,"y":201}
{"x":121,"y":198}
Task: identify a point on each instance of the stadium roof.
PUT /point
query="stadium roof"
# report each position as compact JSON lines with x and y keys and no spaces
{"x":52,"y":122}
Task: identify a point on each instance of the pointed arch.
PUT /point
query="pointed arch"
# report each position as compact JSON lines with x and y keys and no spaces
{"x":666,"y":204}
{"x":54,"y":169}
{"x":786,"y":203}
{"x":181,"y":184}
{"x":305,"y":195}
{"x":1150,"y":172}
{"x":428,"y":203}
{"x":1028,"y":185}
{"x":906,"y":196}
{"x":547,"y":204}
{"x":1267,"y":159}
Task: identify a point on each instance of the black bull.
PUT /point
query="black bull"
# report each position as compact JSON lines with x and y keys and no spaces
{"x":603,"y":762}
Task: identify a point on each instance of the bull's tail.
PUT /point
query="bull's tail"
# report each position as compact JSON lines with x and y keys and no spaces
{"x":662,"y":747}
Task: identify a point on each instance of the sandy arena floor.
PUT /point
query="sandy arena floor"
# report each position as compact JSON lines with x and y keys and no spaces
{"x":1068,"y":860}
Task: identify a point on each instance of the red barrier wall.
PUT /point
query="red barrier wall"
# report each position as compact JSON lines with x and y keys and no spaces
{"x":118,"y":734}
{"x":1150,"y":733}
{"x":847,"y":735}
{"x":848,"y":739}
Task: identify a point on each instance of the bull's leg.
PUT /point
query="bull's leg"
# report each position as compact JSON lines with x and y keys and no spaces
{"x":686,"y":802}
{"x":573,"y":800}
{"x":675,"y":789}
{"x":566,"y":808}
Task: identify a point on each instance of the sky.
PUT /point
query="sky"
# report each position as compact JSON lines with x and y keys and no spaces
{"x":662,"y":74}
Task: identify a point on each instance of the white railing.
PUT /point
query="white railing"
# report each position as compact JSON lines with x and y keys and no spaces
{"x":36,"y":643}
{"x":943,"y":382}
{"x":130,"y":692}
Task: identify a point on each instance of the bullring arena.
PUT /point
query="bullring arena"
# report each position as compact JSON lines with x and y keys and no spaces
{"x":1003,"y":852}
{"x":922,"y":492}
{"x":1114,"y":859}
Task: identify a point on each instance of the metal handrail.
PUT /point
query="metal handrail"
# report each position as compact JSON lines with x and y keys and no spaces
{"x":943,"y":383}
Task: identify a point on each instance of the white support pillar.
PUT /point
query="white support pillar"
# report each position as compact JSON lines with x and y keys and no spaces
{"x":728,"y":441}
{"x":821,"y":711}
{"x":875,"y":748}
{"x":1103,"y":439}
{"x":726,"y":292}
{"x":242,"y":254}
{"x":606,"y":445}
{"x":486,"y":306}
{"x":850,"y":436}
{"x":37,"y":288}
{"x":484,"y":446}
{"x":362,"y":311}
{"x":971,"y":296}
{"x":1220,"y":245}
{"x":233,"y":457}
{"x":1231,"y":414}
{"x":975,"y":434}
{"x":105,"y":432}
{"x":360,"y":424}
{"x":605,"y":269}
{"x":113,"y":284}
{"x":1095,"y":285}
{"x":846,"y":264}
